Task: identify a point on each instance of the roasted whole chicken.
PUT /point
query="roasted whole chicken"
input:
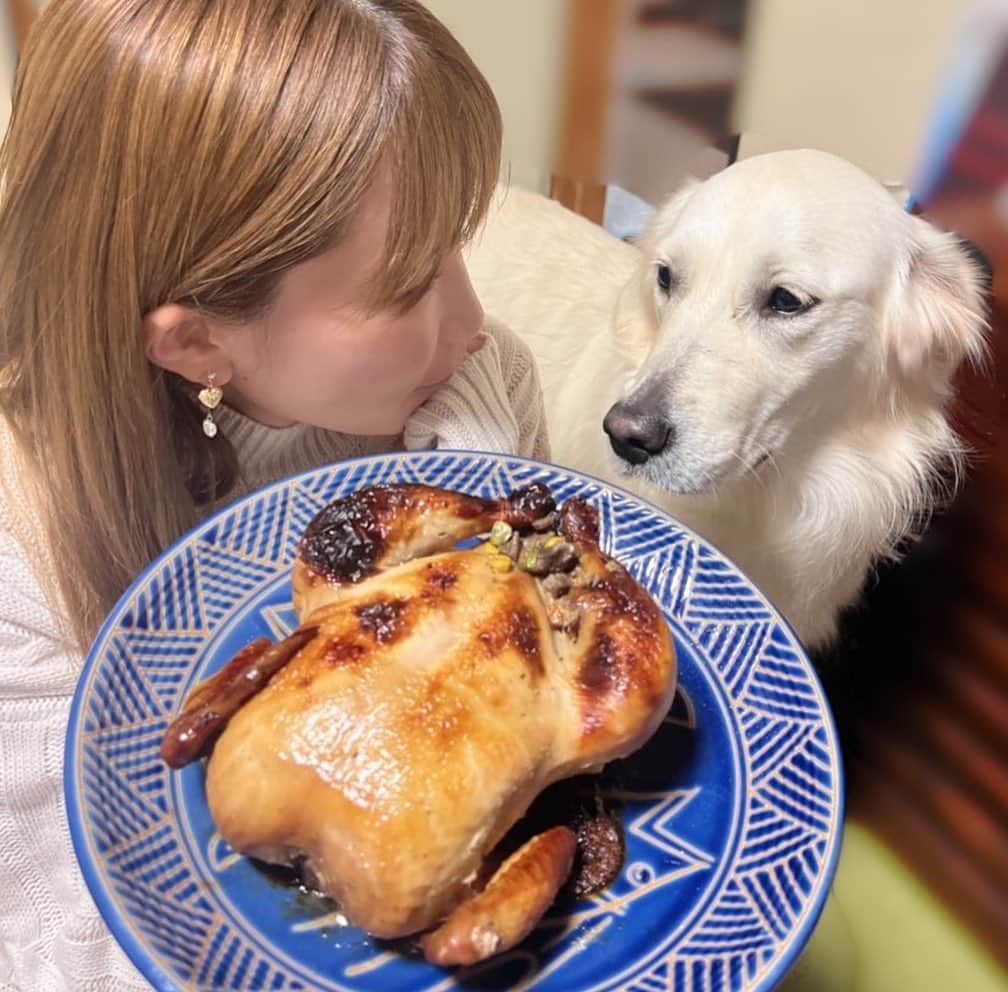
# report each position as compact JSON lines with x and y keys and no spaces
{"x":428,"y":696}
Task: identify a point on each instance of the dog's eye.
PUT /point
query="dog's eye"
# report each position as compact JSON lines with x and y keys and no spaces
{"x":664,"y":275}
{"x":784,"y":301}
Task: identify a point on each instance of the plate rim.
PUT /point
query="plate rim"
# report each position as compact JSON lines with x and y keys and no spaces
{"x":147,"y":963}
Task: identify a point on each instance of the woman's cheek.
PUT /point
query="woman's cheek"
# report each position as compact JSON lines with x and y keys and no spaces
{"x":410,"y":348}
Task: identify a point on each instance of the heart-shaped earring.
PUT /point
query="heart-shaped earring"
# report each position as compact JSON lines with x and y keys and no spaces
{"x":211,"y":398}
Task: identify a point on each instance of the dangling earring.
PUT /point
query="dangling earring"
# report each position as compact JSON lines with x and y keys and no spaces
{"x":210,"y":397}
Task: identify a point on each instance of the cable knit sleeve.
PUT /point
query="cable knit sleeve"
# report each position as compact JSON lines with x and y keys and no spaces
{"x":53,"y":936}
{"x":524,"y":394}
{"x":493,"y":403}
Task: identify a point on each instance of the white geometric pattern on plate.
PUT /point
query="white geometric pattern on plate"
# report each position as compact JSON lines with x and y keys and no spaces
{"x":731,"y":813}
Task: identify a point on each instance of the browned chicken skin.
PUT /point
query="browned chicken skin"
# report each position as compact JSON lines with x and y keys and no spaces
{"x":429,"y":695}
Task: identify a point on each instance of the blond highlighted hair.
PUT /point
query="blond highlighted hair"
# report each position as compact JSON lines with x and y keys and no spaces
{"x":193,"y":151}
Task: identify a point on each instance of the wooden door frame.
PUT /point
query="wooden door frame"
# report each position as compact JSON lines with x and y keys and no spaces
{"x":593,"y":29}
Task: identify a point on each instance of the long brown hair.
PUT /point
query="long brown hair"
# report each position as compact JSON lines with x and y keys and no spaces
{"x":193,"y":151}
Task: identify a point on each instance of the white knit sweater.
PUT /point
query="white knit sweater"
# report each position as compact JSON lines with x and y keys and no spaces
{"x":51,"y":936}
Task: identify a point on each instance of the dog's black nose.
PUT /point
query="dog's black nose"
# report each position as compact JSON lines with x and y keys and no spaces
{"x":636,"y":436}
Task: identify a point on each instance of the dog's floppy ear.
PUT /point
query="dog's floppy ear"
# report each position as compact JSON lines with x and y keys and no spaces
{"x":936,"y":312}
{"x":635,"y":321}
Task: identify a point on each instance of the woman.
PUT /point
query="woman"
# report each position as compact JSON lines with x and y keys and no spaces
{"x":229,"y":234}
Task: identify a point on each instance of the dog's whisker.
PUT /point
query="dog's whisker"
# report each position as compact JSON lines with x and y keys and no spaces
{"x":749,"y":469}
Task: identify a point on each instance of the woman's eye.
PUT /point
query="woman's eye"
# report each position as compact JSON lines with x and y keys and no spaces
{"x":664,"y":278}
{"x":782,"y":300}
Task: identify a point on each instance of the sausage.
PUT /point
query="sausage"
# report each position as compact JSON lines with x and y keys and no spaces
{"x":214,"y":701}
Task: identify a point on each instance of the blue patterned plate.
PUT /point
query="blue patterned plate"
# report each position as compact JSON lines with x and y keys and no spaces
{"x":732,"y":812}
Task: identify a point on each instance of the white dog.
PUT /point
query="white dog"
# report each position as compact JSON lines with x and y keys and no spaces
{"x":792,"y":335}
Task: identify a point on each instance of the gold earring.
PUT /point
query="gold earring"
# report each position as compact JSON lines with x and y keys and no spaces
{"x":211,"y":398}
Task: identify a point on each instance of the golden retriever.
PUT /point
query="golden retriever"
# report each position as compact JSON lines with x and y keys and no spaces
{"x":787,"y":340}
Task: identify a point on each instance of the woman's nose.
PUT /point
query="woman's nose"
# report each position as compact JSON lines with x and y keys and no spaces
{"x":463,"y":313}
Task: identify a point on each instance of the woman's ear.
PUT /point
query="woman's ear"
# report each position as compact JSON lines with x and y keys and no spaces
{"x":180,"y":340}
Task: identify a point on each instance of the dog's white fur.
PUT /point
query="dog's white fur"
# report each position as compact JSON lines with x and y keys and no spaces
{"x":807,"y":446}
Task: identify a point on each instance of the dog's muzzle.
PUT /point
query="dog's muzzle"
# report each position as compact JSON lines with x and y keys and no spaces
{"x":636,"y":436}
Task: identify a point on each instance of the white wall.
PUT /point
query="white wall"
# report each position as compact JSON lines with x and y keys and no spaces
{"x":855,"y":77}
{"x":520,"y":46}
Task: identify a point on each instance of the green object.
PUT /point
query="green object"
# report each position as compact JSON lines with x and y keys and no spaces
{"x":500,"y":533}
{"x":883,"y":931}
